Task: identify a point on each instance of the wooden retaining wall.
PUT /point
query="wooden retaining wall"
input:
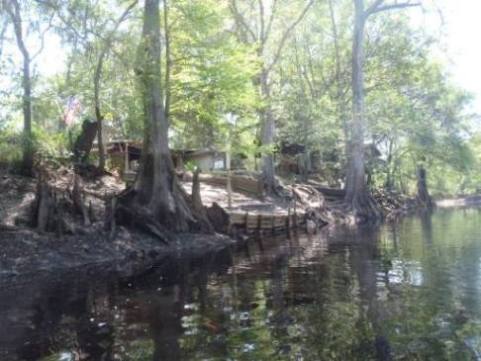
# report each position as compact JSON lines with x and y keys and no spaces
{"x":265,"y":222}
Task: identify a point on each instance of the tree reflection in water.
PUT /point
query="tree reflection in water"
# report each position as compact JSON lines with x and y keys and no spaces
{"x":406,"y":291}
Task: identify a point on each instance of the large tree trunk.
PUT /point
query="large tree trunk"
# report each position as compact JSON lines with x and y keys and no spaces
{"x":423,"y":197}
{"x":389,"y":184}
{"x":156,"y":193}
{"x":358,"y":197}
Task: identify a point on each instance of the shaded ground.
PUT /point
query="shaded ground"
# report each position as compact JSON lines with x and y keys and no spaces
{"x":17,"y":193}
{"x":25,"y":253}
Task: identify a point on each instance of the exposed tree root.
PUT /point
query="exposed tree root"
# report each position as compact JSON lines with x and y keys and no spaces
{"x":79,"y":200}
{"x":197,"y":207}
{"x":141,"y":218}
{"x":158,"y":222}
{"x":55,"y":211}
{"x":364,"y":208}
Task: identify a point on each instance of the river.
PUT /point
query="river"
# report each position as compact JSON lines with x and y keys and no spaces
{"x":405,"y":291}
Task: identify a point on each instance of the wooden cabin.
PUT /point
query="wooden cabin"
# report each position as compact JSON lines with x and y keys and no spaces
{"x":125,"y":155}
{"x":206,"y":159}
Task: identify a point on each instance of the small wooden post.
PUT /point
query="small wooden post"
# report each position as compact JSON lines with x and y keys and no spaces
{"x":288,"y":220}
{"x":295,"y":212}
{"x":126,"y":165}
{"x":229,"y":180}
{"x":247,"y":222}
{"x":113,"y":206}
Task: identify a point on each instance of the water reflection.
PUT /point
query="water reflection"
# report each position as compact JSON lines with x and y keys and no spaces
{"x":407,"y":291}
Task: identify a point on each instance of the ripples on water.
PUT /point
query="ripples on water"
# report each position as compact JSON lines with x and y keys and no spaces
{"x":409,"y":291}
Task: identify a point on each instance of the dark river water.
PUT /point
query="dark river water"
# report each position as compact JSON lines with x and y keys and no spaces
{"x":410,"y":291}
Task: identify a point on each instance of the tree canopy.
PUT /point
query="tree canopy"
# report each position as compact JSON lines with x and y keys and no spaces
{"x":282,"y":68}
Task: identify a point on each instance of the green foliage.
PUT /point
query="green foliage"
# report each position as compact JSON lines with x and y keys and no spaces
{"x":416,"y":115}
{"x":10,"y":147}
{"x":190,"y":166}
{"x":50,"y":144}
{"x":213,"y":76}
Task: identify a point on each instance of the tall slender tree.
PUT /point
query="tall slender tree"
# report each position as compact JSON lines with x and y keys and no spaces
{"x":105,"y":48}
{"x":159,"y":202}
{"x":14,"y":11}
{"x":358,"y":197}
{"x":260,"y":33}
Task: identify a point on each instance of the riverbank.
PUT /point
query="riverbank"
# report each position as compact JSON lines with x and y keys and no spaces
{"x":467,"y":201}
{"x":26,"y":253}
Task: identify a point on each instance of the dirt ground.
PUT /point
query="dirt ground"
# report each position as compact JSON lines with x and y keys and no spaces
{"x":17,"y":193}
{"x":25,"y":252}
{"x":240,"y":201}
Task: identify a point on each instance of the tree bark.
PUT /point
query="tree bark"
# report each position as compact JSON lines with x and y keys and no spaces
{"x":267,"y":136}
{"x":98,"y":114}
{"x":168,"y":60}
{"x":389,"y":184}
{"x":78,"y":200}
{"x":84,"y":142}
{"x":197,"y":206}
{"x":156,"y":193}
{"x":423,"y":197}
{"x":358,"y":197}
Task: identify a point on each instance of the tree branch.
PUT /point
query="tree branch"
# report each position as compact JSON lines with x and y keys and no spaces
{"x":373,"y":7}
{"x":286,"y":34}
{"x":17,"y":26}
{"x":271,"y":20}
{"x":241,"y":20}
{"x":391,"y":7}
{"x":261,"y":18}
{"x":56,"y":9}
{"x":42,"y":39}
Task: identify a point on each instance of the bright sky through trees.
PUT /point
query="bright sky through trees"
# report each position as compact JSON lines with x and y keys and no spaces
{"x":379,"y":89}
{"x":462,"y":37}
{"x":459,"y":28}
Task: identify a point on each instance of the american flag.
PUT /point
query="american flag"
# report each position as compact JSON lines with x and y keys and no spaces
{"x":72,"y":109}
